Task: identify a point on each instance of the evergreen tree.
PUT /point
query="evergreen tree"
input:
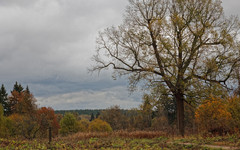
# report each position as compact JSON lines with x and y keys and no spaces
{"x":92,"y":117}
{"x":27,"y":90}
{"x":4,"y":100}
{"x":98,"y":114}
{"x":21,"y":101}
{"x":17,"y":87}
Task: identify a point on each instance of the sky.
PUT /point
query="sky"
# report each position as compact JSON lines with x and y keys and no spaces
{"x":48,"y":45}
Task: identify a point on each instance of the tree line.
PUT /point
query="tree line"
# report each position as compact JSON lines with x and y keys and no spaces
{"x":95,"y":112}
{"x":21,"y":117}
{"x":216,"y":113}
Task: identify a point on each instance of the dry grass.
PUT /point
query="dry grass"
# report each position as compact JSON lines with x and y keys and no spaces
{"x":121,"y":134}
{"x":139,"y":134}
{"x":83,"y":135}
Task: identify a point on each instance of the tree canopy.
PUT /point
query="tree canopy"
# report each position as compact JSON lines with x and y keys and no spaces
{"x":177,"y":43}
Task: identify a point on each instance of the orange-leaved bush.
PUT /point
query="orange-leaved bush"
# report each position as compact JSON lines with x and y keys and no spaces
{"x":213,"y":116}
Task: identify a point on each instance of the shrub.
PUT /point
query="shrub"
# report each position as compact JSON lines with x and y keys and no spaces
{"x":213,"y":116}
{"x":115,"y":117}
{"x":160,"y":123}
{"x":98,"y":125}
{"x":23,"y":125}
{"x":234,"y":109}
{"x":16,"y":122}
{"x":46,"y":118}
{"x":3,"y":123}
{"x":83,"y":125}
{"x":68,"y":124}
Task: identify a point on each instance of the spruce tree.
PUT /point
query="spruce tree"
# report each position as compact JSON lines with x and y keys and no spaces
{"x":17,"y":87}
{"x":27,"y":90}
{"x":92,"y":117}
{"x":98,"y":114}
{"x":4,"y":100}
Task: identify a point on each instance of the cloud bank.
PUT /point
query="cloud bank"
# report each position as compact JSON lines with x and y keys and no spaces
{"x":48,"y":46}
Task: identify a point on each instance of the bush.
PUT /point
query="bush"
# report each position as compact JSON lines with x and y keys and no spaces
{"x":213,"y":116}
{"x":98,"y":125}
{"x":68,"y":124}
{"x":16,"y":122}
{"x":160,"y":123}
{"x":234,"y":109}
{"x":23,"y":125}
{"x":46,"y":118}
{"x":115,"y":117}
{"x":3,"y":123}
{"x":83,"y":125}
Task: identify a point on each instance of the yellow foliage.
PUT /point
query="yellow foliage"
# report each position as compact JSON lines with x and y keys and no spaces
{"x":213,"y":116}
{"x":83,"y":125}
{"x":3,"y":124}
{"x":234,"y":109}
{"x":99,"y":125}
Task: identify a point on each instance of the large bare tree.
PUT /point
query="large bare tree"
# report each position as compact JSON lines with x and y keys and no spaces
{"x":175,"y":42}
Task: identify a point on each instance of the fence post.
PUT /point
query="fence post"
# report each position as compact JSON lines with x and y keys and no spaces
{"x":50,"y":135}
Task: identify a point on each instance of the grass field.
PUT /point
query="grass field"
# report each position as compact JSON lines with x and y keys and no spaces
{"x":124,"y":140}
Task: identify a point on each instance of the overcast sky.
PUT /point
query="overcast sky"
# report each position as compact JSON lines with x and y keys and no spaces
{"x":48,"y":45}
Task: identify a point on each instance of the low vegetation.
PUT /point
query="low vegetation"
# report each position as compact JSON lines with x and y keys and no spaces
{"x":126,"y":140}
{"x":213,"y":124}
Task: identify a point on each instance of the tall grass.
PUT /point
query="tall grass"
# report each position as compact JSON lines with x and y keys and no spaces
{"x":121,"y":134}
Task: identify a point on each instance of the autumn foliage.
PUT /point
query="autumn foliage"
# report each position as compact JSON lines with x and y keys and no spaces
{"x":213,"y":116}
{"x":3,"y":123}
{"x":99,"y":125}
{"x":22,"y":116}
{"x":24,"y":119}
{"x":68,"y":124}
{"x":233,"y":104}
{"x":46,"y":118}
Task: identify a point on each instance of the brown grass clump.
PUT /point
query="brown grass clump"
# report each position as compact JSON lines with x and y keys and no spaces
{"x":84,"y":135}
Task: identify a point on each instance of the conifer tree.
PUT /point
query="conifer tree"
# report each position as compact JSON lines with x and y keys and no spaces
{"x":98,"y":114}
{"x":17,"y":87}
{"x":27,"y":90}
{"x":92,"y":117}
{"x":4,"y":100}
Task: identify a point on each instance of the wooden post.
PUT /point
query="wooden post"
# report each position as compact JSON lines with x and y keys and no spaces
{"x":50,"y":135}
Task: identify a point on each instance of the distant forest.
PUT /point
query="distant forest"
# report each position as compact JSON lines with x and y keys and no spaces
{"x":86,"y":111}
{"x":80,"y":111}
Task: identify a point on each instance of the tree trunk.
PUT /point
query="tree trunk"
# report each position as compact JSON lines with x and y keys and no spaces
{"x":180,"y":113}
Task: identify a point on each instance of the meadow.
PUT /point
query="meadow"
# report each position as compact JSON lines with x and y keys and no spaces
{"x":118,"y":140}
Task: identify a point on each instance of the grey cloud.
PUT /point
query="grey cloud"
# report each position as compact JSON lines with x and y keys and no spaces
{"x":52,"y":37}
{"x":89,"y":99}
{"x":53,"y":86}
{"x":24,"y":3}
{"x":47,"y":44}
{"x":231,"y":7}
